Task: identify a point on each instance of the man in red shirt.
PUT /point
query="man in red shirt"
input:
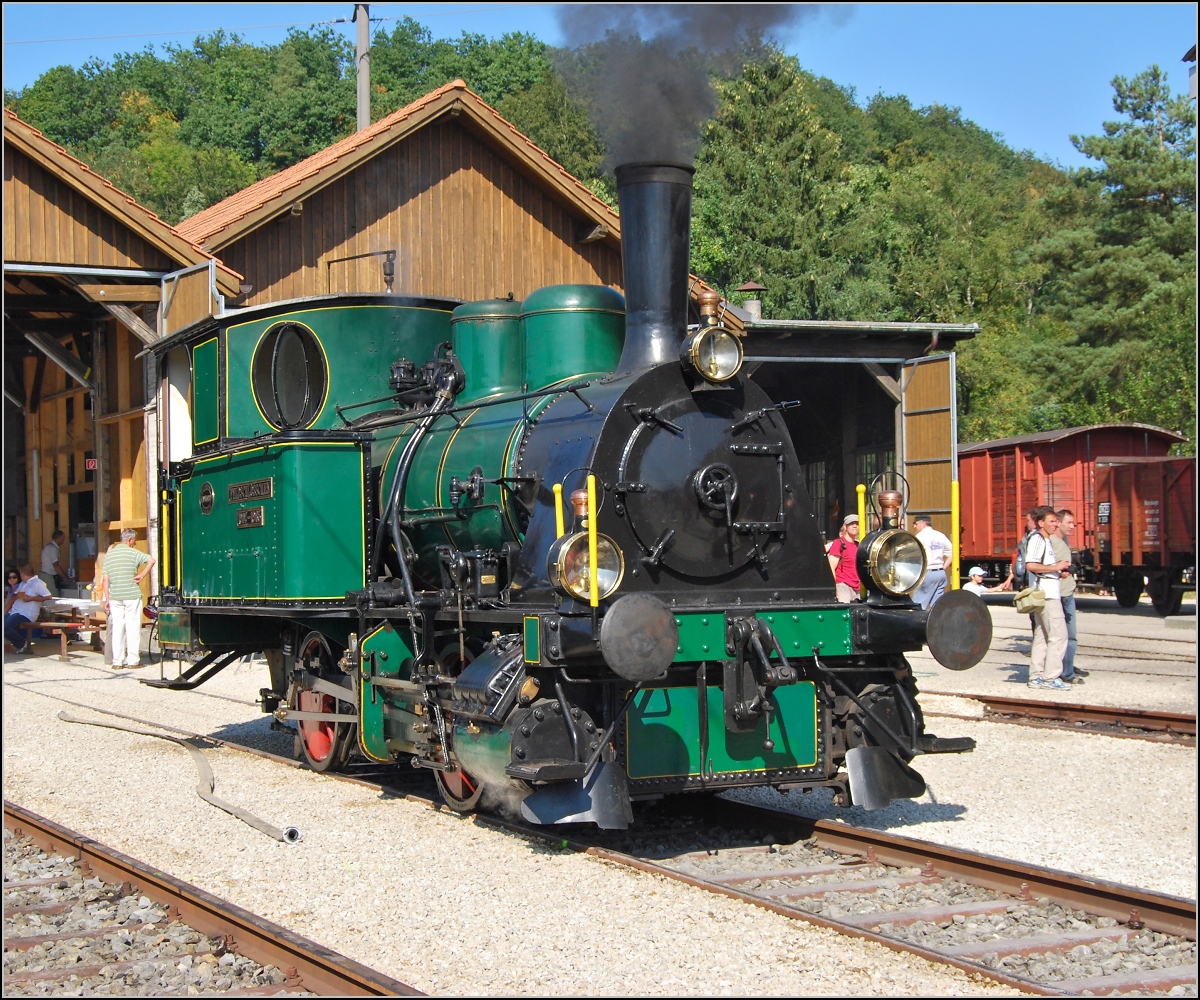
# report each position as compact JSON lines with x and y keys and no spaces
{"x":843,"y":560}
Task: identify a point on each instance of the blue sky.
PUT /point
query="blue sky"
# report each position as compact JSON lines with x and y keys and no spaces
{"x":1034,"y":73}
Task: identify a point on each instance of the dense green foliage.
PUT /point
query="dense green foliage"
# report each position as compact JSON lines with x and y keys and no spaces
{"x":1082,"y":282}
{"x":182,"y":130}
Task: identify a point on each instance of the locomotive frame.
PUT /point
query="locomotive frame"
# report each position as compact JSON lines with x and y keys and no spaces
{"x":422,"y":591}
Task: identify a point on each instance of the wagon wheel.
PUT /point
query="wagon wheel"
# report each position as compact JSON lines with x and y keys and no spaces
{"x":460,"y":791}
{"x":1128,"y":588}
{"x":1166,"y":597}
{"x":326,"y":746}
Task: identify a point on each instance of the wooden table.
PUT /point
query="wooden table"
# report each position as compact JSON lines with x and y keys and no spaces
{"x":66,"y":617}
{"x":64,"y":629}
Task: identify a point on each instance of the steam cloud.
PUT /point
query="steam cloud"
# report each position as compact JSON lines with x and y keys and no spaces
{"x":643,"y":69}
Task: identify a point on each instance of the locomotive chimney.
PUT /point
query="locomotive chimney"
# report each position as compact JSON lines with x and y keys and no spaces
{"x":656,"y":217}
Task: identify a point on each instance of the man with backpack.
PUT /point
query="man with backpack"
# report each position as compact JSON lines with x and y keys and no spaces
{"x":843,"y":560}
{"x":1016,"y":569}
{"x":1049,"y":625}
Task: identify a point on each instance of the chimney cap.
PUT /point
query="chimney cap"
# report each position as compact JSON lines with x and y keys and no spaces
{"x":752,"y":286}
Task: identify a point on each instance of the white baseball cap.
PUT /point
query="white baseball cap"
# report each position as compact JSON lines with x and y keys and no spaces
{"x":976,"y":571}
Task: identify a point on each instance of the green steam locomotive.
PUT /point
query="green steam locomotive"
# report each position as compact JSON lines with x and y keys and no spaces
{"x":558,"y":551}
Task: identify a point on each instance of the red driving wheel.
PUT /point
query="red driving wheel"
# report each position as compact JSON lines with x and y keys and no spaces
{"x":318,"y":736}
{"x":325,"y":744}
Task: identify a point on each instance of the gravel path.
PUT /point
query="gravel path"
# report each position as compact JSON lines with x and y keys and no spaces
{"x":430,"y":898}
{"x":1135,"y":659}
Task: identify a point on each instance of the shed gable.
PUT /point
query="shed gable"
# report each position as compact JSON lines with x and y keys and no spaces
{"x":464,"y":222}
{"x":46,"y":221}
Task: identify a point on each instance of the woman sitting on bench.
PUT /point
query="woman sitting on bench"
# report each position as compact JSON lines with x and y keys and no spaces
{"x":24,"y":604}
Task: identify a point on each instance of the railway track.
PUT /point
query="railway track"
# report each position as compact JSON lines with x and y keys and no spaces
{"x":1133,"y":723}
{"x":306,"y":965}
{"x":1039,"y":930}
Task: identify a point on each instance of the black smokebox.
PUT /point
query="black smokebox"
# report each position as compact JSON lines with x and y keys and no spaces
{"x":656,"y":221}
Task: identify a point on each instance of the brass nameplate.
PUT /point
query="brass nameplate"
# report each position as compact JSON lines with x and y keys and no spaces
{"x":260,"y":489}
{"x":250,"y":517}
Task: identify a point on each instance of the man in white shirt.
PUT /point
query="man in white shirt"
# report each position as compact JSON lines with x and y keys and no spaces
{"x":1049,"y":624}
{"x":24,"y":604}
{"x":939,"y":554}
{"x":52,"y":573}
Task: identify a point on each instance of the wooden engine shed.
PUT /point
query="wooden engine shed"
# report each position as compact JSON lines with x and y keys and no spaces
{"x":443,"y":198}
{"x":85,"y":273}
{"x":873,"y":399}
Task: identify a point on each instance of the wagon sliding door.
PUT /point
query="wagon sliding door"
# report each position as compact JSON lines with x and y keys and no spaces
{"x":929,"y":442}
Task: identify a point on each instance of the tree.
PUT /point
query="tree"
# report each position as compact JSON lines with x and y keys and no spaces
{"x":409,"y":63}
{"x":1130,"y":256}
{"x":764,"y":189}
{"x":551,"y":118}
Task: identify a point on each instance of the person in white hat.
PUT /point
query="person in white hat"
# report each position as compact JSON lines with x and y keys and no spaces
{"x":975,"y":586}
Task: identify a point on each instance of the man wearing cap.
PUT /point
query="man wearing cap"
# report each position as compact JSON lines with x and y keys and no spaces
{"x":939,"y":554}
{"x":843,"y":560}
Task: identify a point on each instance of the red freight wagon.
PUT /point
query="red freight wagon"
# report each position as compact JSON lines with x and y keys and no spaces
{"x":1146,"y":528}
{"x":1000,"y":480}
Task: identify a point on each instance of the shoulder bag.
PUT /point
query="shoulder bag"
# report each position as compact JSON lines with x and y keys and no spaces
{"x":1030,"y":599}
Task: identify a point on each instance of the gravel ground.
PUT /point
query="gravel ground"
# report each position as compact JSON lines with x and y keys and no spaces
{"x":1135,"y":658}
{"x":140,"y":953}
{"x":500,"y":915}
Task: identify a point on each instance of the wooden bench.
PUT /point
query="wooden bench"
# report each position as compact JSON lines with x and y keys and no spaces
{"x":64,"y":629}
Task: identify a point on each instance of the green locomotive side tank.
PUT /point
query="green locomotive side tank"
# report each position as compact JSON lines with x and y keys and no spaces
{"x":487,"y":341}
{"x":572,"y":331}
{"x":277,"y":523}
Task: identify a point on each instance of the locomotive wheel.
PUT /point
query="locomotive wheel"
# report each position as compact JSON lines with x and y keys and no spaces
{"x":326,"y":746}
{"x":1128,"y":588}
{"x":459,"y":790}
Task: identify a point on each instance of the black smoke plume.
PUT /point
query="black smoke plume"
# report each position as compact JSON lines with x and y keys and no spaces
{"x":643,"y":70}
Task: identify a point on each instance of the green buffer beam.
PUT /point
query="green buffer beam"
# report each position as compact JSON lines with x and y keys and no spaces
{"x":702,"y":636}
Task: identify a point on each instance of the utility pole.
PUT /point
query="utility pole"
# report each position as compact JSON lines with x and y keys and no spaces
{"x":362,"y":63}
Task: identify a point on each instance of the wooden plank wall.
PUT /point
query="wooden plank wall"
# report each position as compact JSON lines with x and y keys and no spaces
{"x":191,"y":300}
{"x":47,"y":222}
{"x":929,"y":439}
{"x":60,"y":428}
{"x":63,"y":430}
{"x":465,"y":224}
{"x":121,"y":422}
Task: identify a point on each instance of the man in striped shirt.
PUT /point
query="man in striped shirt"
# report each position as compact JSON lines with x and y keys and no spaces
{"x":124,"y":569}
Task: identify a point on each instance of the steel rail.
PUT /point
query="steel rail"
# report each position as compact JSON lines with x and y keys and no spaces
{"x":1158,"y":911}
{"x":1026,"y":883}
{"x":308,"y":965}
{"x":1028,"y":711}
